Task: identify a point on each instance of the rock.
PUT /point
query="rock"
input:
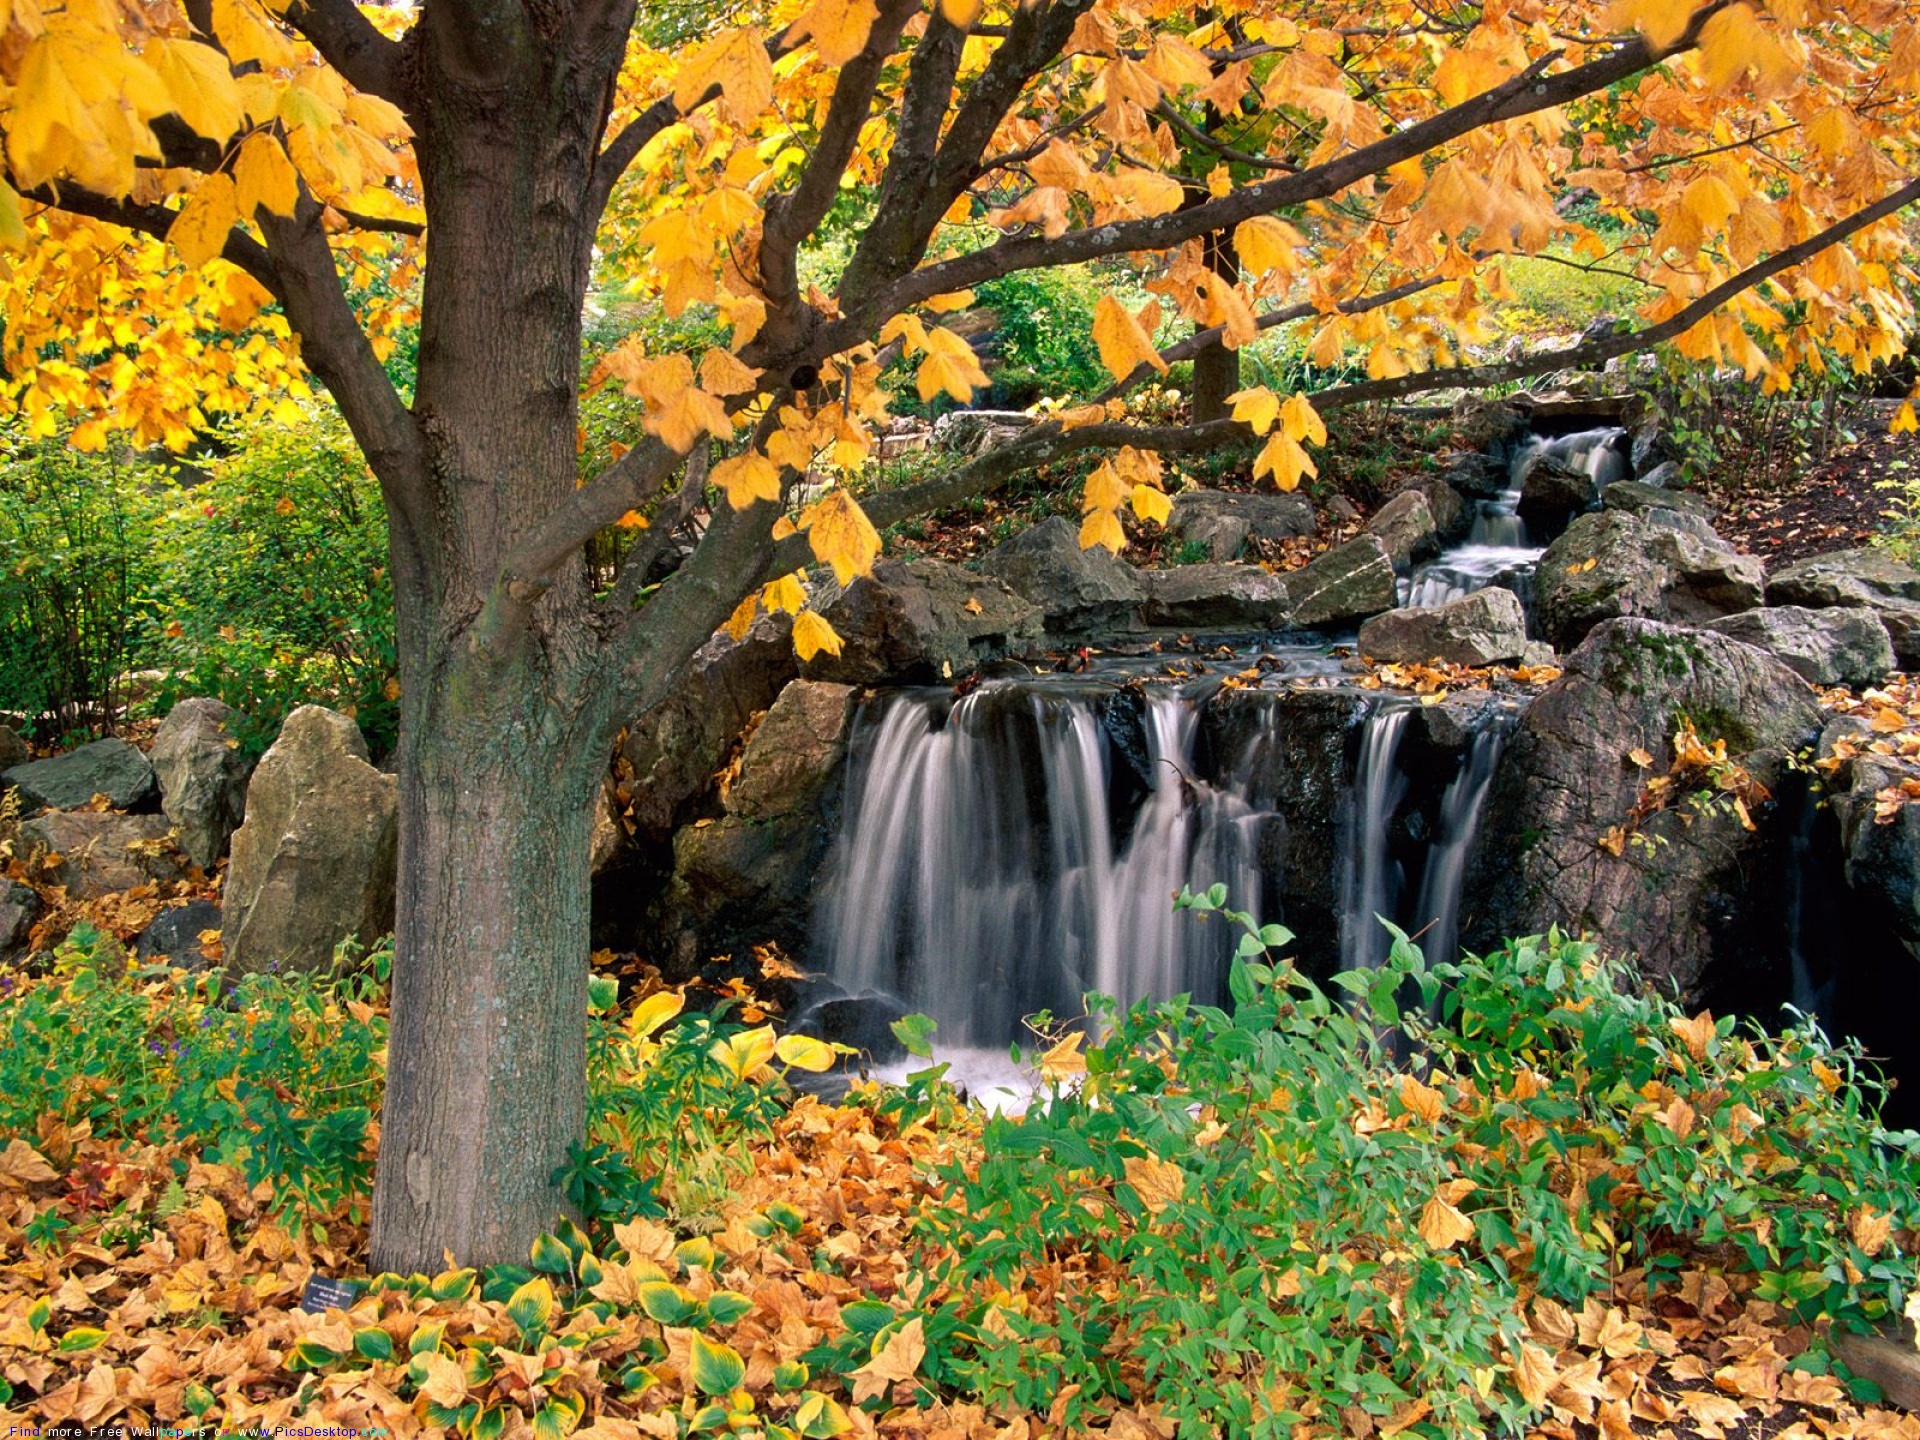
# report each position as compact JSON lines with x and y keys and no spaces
{"x":1476,"y":475}
{"x":1215,"y":597}
{"x":1667,"y":475}
{"x":974,"y":432}
{"x":672,"y":752}
{"x":749,"y":874}
{"x":1349,"y":582}
{"x":864,"y":1022}
{"x":1825,"y":647}
{"x":1844,"y":577}
{"x":1078,"y":590}
{"x":1902,"y":619}
{"x":1452,"y":516}
{"x":109,"y":767}
{"x":1613,"y":564}
{"x":1487,"y":627}
{"x":919,"y":622}
{"x":1638,"y":497}
{"x":1653,"y":447}
{"x":1405,"y":525}
{"x":19,"y":908}
{"x":1677,"y":897}
{"x":175,"y":936}
{"x":314,"y":862}
{"x":1539,"y":653}
{"x":202,"y":773}
{"x":1552,"y":493}
{"x":94,"y":854}
{"x":13,"y":750}
{"x":1223,"y":521}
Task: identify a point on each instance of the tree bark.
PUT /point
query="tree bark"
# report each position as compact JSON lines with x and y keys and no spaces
{"x":1216,"y":369}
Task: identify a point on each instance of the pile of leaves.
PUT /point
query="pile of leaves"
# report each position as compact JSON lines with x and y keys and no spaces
{"x":1512,"y":1196}
{"x":1892,"y":713}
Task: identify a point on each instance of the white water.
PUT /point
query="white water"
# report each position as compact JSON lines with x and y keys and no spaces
{"x":1438,"y":913}
{"x":1372,"y":881}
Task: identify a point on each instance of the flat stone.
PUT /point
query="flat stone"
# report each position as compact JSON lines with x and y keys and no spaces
{"x":97,"y":853}
{"x":1487,"y":627}
{"x":1215,"y":597}
{"x":1077,"y":590}
{"x":1838,"y":646}
{"x":1349,"y":582}
{"x":918,"y":622}
{"x":109,"y":767}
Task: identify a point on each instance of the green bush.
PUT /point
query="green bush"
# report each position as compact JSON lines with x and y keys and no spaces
{"x":1305,"y":1202}
{"x":1045,"y":333}
{"x":271,"y":587}
{"x":74,"y":559}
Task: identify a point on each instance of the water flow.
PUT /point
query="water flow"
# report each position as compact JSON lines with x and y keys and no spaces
{"x":1498,"y":548}
{"x":985,"y":871}
{"x":1372,"y":879}
{"x":1438,"y":914}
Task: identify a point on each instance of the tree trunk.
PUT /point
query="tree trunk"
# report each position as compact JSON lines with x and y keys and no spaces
{"x":1216,"y":369}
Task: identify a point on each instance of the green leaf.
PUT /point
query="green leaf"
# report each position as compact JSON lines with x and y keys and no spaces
{"x":866,"y":1317}
{"x":791,"y":1375}
{"x":713,"y":1417}
{"x":41,"y":1312}
{"x":728,"y":1307}
{"x":666,"y":1302}
{"x":637,"y":1379}
{"x":551,"y":1256}
{"x":311,"y":1355}
{"x":491,"y":1423}
{"x":454,"y":1285}
{"x":198,"y":1399}
{"x":427,"y":1338}
{"x":590,"y":1272}
{"x":531,"y":1307}
{"x":603,"y":993}
{"x":82,"y":1337}
{"x":696,"y":1254}
{"x":916,"y":1033}
{"x":717,"y":1369}
{"x":786,"y":1217}
{"x":373,"y":1343}
{"x":820,"y":1418}
{"x":1216,"y":895}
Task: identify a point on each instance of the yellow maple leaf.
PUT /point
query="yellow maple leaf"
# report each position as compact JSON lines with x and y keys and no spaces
{"x":1301,"y":421}
{"x":1264,"y":244}
{"x":1441,"y":1224}
{"x":1283,"y":459}
{"x":1661,"y":21}
{"x":199,"y":84}
{"x":1151,"y":504}
{"x":246,"y":36}
{"x":722,"y":374}
{"x":1124,"y":339}
{"x":1904,"y":422}
{"x":735,"y":60}
{"x":1258,"y":407}
{"x":263,"y":175}
{"x":786,"y":593}
{"x":199,"y":232}
{"x":840,"y":534}
{"x":1157,"y":1182}
{"x":1063,"y":1060}
{"x":747,"y":478}
{"x":811,"y":635}
{"x":895,"y":1359}
{"x":839,"y":28}
{"x":949,"y":368}
{"x":1102,"y":527}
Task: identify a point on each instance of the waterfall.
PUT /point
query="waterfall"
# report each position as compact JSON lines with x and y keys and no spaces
{"x":1438,"y":916}
{"x":1372,"y":879}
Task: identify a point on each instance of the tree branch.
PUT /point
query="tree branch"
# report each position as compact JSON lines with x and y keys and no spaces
{"x":625,"y":148}
{"x":348,"y":42}
{"x":241,"y":250}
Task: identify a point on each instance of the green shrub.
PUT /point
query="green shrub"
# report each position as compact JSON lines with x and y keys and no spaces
{"x":1271,"y":1211}
{"x":271,"y":586}
{"x":74,"y":558}
{"x":1045,"y":334}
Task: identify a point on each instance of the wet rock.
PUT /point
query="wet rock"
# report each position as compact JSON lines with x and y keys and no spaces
{"x":110,"y":767}
{"x":1676,"y":894}
{"x":1078,"y":590}
{"x":202,"y":774}
{"x":1349,"y":582}
{"x":1667,"y":475}
{"x":174,"y":938}
{"x":1552,"y":493}
{"x":1826,"y":647}
{"x":1476,"y":474}
{"x":918,"y":622}
{"x":1638,"y":497}
{"x":1487,"y":627}
{"x":1223,"y":521}
{"x":749,"y":874}
{"x":1215,"y":597}
{"x":314,"y":861}
{"x":94,"y":854}
{"x":1452,"y":516}
{"x":1406,"y":526}
{"x":1613,"y":564}
{"x":864,"y":1022}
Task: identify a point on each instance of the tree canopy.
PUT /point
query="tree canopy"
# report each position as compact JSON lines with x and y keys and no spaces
{"x":205,"y":202}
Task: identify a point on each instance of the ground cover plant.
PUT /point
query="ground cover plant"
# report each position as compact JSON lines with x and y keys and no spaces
{"x":1513,"y":1196}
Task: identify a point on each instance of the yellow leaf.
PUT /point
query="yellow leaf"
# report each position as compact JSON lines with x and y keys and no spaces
{"x":840,"y":534}
{"x":741,"y":620}
{"x":960,"y":13}
{"x":1302,"y":422}
{"x":1442,"y":1225}
{"x":803,"y":1052}
{"x":1904,"y":421}
{"x":1422,"y":1101}
{"x":839,"y":28}
{"x":1258,"y":407}
{"x":199,"y":86}
{"x":722,"y":374}
{"x":1063,"y":1060}
{"x":13,"y":226}
{"x":445,"y":1383}
{"x":811,"y":635}
{"x":653,"y":1012}
{"x":1151,"y":504}
{"x":1695,"y":1033}
{"x":786,"y":593}
{"x":747,"y":478}
{"x":1870,"y":1229}
{"x":896,"y":1360}
{"x":735,"y":60}
{"x":743,"y":1053}
{"x":1102,"y":527}
{"x":1283,"y":459}
{"x":1661,"y":21}
{"x":955,"y":375}
{"x":1123,"y":340}
{"x":200,"y":230}
{"x":953,"y":300}
{"x":246,"y":35}
{"x":263,"y":175}
{"x":1157,"y":1182}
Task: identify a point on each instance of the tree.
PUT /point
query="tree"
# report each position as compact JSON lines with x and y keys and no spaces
{"x":306,"y":166}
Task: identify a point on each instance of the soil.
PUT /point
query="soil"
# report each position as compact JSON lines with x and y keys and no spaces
{"x":1837,"y":506}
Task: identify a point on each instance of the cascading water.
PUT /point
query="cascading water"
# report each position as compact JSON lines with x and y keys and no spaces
{"x":1437,"y":916}
{"x":1498,"y":548}
{"x":1372,"y":879}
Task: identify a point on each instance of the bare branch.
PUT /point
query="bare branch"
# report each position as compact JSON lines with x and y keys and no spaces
{"x":348,"y":42}
{"x":625,"y":148}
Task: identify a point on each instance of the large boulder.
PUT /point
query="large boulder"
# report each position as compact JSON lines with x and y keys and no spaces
{"x":1858,"y":579}
{"x":1672,"y":887}
{"x":1614,"y":564}
{"x":13,"y":750}
{"x":95,"y":854}
{"x":314,"y":862}
{"x":202,"y":773}
{"x":19,"y":908}
{"x":1078,"y":590}
{"x":174,"y":937}
{"x":1487,"y":627}
{"x":1452,"y":516}
{"x":1406,"y":526}
{"x":1641,"y":497}
{"x":1223,"y":521}
{"x":1215,"y":597}
{"x":918,"y":622}
{"x":1826,"y":647}
{"x":749,"y":873}
{"x":1553,"y":492}
{"x":1347,"y":583}
{"x":109,"y":767}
